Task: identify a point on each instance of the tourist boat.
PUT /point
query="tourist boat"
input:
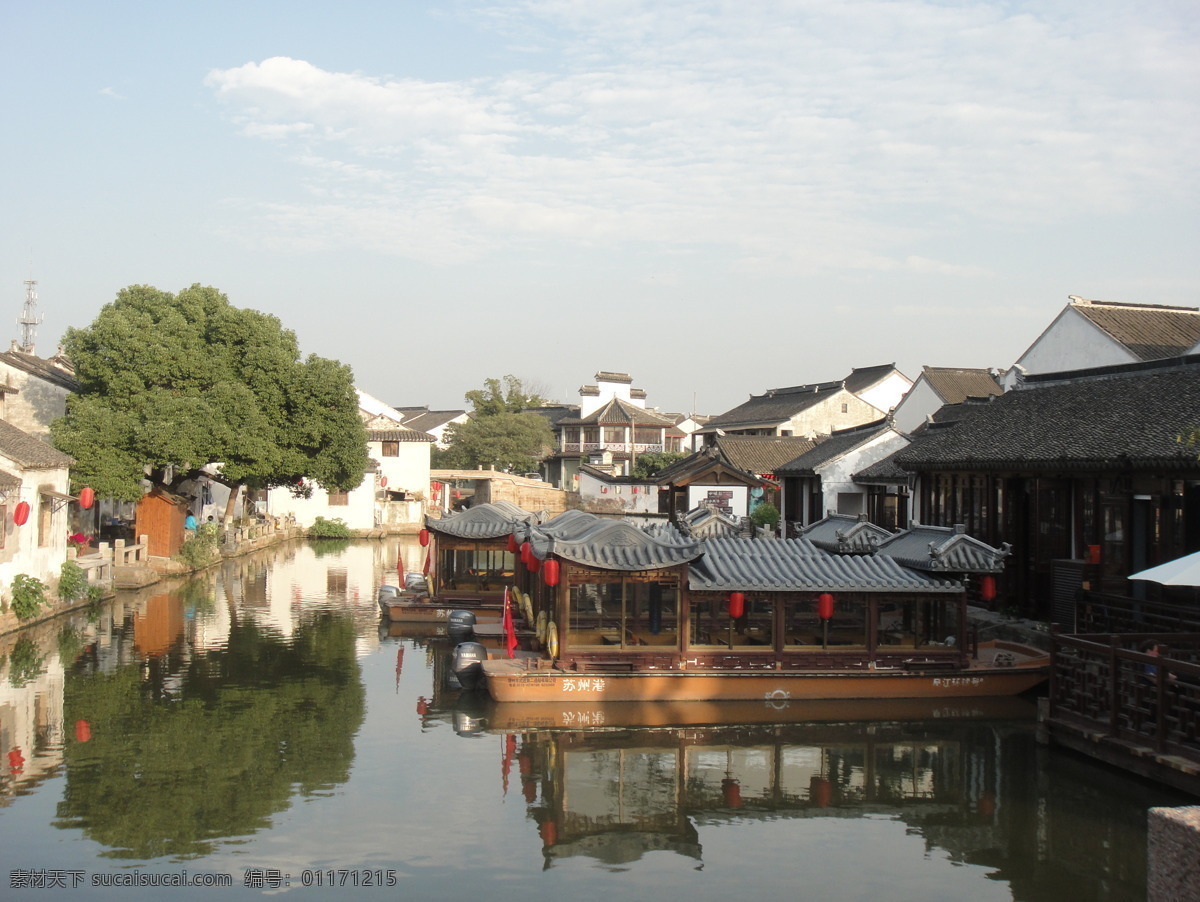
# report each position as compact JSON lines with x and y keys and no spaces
{"x":631,"y":614}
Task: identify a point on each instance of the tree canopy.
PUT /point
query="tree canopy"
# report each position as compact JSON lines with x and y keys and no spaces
{"x":505,"y":395}
{"x":515,"y":442}
{"x":187,"y":380}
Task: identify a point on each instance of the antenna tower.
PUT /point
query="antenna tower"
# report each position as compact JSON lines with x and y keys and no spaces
{"x":29,"y":319}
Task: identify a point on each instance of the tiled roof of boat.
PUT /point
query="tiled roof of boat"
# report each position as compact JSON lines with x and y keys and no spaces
{"x":485,"y":521}
{"x":762,"y":453}
{"x":955,"y":384}
{"x":775,"y":406}
{"x":940,"y":549}
{"x":833,"y":447}
{"x":28,"y":451}
{"x":1149,"y":331}
{"x":613,"y":545}
{"x":1115,"y":420}
{"x":844,"y":534}
{"x":788,"y":565}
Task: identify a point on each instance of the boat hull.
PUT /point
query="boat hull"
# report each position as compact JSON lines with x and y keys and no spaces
{"x":511,"y":681}
{"x":398,"y":610}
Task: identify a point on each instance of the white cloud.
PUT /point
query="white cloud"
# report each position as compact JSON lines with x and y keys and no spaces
{"x":805,"y":135}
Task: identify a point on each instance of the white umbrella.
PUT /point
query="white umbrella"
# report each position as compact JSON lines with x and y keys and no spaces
{"x":1184,"y":571}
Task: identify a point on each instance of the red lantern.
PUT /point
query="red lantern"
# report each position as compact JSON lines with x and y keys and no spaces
{"x":512,"y":543}
{"x":21,"y":513}
{"x":534,"y":564}
{"x":737,"y":604}
{"x":87,"y":497}
{"x":423,"y":536}
{"x":987,"y":588}
{"x":825,"y":606}
{"x":83,"y":730}
{"x":551,"y":574}
{"x":525,"y":550}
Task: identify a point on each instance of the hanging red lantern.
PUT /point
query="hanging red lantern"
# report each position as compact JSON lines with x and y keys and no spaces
{"x":551,"y":573}
{"x":535,"y":563}
{"x":825,"y":606}
{"x":737,"y":604}
{"x":423,"y":537}
{"x":512,"y":543}
{"x":987,"y":588}
{"x":21,"y":513}
{"x":525,"y":552}
{"x":87,"y":497}
{"x":83,"y":731}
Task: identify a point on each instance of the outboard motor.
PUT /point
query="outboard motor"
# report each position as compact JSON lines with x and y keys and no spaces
{"x":414,"y":582}
{"x":466,"y":661}
{"x":461,"y":623}
{"x":388,"y":591}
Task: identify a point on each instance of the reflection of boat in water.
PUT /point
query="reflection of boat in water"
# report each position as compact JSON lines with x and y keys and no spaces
{"x":616,"y":794}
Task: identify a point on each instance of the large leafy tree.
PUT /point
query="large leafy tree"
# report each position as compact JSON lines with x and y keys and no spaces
{"x":172,"y":383}
{"x":501,"y":432}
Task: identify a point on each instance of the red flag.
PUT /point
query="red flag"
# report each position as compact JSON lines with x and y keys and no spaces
{"x":510,"y":632}
{"x":510,"y":748}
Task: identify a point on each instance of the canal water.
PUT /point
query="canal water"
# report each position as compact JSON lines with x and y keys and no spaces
{"x":259,"y":728}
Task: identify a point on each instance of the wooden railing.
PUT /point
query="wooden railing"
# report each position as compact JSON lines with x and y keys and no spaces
{"x":1101,"y":613}
{"x":1105,"y":684}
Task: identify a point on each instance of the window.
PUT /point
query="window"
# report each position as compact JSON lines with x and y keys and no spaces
{"x":622,"y":611}
{"x":339,"y":499}
{"x":845,"y":407}
{"x":391,"y":449}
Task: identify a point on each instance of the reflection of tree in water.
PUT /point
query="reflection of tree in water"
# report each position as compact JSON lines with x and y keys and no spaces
{"x":169,"y":771}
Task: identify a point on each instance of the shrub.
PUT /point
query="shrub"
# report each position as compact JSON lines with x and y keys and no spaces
{"x":329,"y":529}
{"x":28,"y":595}
{"x":766,"y":514}
{"x":201,"y":549}
{"x":72,"y":581}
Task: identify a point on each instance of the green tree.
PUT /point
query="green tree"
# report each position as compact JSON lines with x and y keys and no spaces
{"x":506,"y":395}
{"x":183,"y":381}
{"x":652,"y":463}
{"x":508,"y":441}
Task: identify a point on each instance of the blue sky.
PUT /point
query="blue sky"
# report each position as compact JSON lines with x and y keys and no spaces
{"x":717,"y":198}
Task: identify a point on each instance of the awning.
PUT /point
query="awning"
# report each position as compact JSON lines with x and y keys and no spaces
{"x":57,"y":500}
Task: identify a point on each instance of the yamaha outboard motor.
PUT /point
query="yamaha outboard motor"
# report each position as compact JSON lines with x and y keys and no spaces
{"x":388,"y":591}
{"x":467,"y":663}
{"x":461,"y":623}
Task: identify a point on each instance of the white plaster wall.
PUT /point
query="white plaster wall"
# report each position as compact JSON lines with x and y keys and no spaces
{"x":837,"y":475}
{"x":827,"y":417}
{"x":1071,"y":342}
{"x":36,"y":403}
{"x":408,"y":471}
{"x":888,"y":392}
{"x":919,"y":403}
{"x":644,"y":501}
{"x":358,"y":513}
{"x":21,"y":552}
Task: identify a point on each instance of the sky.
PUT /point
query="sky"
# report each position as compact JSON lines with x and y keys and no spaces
{"x":717,"y":198}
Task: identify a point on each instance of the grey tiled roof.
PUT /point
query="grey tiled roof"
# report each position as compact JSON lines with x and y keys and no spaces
{"x":775,"y":406}
{"x":788,"y":565}
{"x":44,"y":369}
{"x":843,"y":534}
{"x":398,"y":435}
{"x":612,"y":544}
{"x":953,"y":384}
{"x":423,"y":419}
{"x":762,"y":453}
{"x":831,"y":448}
{"x":884,"y":472}
{"x":1148,"y":331}
{"x":940,"y":549}
{"x":862,"y":378}
{"x":485,"y":521}
{"x":617,"y":413}
{"x":1095,"y":422}
{"x":27,"y":451}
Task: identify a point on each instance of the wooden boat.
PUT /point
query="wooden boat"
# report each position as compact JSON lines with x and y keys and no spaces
{"x":406,"y":608}
{"x":637,"y":616}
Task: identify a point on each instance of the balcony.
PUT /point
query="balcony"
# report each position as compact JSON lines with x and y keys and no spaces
{"x":614,"y":447}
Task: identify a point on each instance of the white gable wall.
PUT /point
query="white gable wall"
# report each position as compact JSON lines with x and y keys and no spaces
{"x":1071,"y":342}
{"x":919,"y":403}
{"x":886,"y":393}
{"x":839,"y":491}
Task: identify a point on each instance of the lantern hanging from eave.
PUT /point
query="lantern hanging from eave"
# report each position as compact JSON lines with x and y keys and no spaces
{"x":513,"y":547}
{"x":525,"y":550}
{"x":423,"y":537}
{"x":737,"y":604}
{"x":87,"y":497}
{"x":550,"y":573}
{"x":825,"y":606}
{"x":535,"y":563}
{"x":987,"y":588}
{"x":21,"y":513}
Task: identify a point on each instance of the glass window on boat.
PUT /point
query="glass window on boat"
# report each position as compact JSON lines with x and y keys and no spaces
{"x":712,"y":626}
{"x":917,"y":622}
{"x":623,"y":611}
{"x":479,"y":568}
{"x":847,"y":628}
